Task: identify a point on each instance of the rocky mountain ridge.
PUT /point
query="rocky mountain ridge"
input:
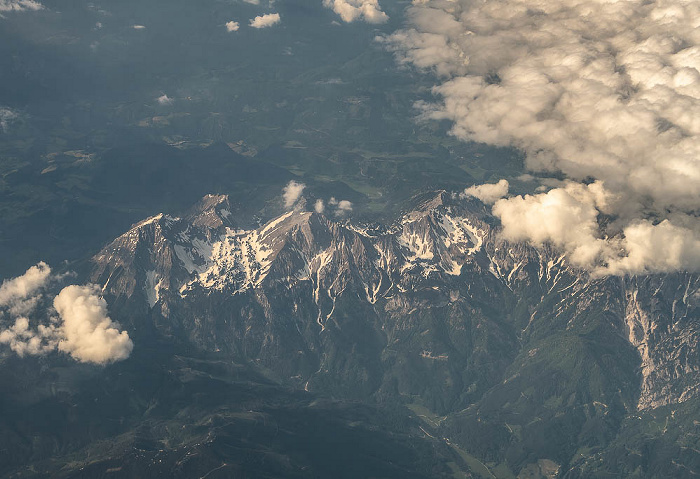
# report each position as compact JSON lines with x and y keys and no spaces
{"x":177,"y":259}
{"x":435,"y":309}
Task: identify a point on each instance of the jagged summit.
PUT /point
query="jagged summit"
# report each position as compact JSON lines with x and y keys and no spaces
{"x":310,"y":296}
{"x":203,"y":248}
{"x":212,"y":211}
{"x":423,"y":203}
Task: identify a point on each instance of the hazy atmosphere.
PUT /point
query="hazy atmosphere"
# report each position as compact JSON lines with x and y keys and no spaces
{"x":350,"y":238}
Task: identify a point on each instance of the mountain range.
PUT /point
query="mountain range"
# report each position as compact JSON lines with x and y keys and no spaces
{"x":524,"y":364}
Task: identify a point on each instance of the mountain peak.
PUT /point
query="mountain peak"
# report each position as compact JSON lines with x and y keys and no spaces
{"x":424,"y":203}
{"x":160,"y":219}
{"x":212,"y":211}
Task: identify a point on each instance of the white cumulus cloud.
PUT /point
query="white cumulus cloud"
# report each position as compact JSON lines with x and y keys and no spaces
{"x":319,"y":207}
{"x":78,"y":323}
{"x":344,"y":205}
{"x":88,"y":334}
{"x":340,"y":207}
{"x":565,"y":217}
{"x":232,"y":26}
{"x":662,"y":247}
{"x":488,"y":193}
{"x":351,"y":10}
{"x":264,"y":21}
{"x":24,"y":286}
{"x":24,"y":341}
{"x":604,"y":91}
{"x":292,"y":192}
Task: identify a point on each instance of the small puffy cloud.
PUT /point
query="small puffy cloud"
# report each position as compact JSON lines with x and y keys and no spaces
{"x":264,"y":21}
{"x":488,"y":193}
{"x":24,"y":286}
{"x":292,"y":192}
{"x":138,"y":27}
{"x":319,"y":207}
{"x":19,"y":5}
{"x":344,"y":205}
{"x":88,"y":334}
{"x":232,"y":26}
{"x":24,"y":341}
{"x":81,"y":328}
{"x":340,"y":207}
{"x":164,"y":100}
{"x":351,"y":10}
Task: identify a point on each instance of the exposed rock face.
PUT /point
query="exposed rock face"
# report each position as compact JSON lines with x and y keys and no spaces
{"x":435,"y":307}
{"x":212,"y":211}
{"x":663,"y":322}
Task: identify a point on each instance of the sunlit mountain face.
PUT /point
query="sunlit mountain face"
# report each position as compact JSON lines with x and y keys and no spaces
{"x":349,"y":238}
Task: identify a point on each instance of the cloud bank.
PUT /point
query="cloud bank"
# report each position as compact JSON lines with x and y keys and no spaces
{"x":78,"y":323}
{"x":351,"y":10}
{"x":606,"y":93}
{"x":264,"y":21}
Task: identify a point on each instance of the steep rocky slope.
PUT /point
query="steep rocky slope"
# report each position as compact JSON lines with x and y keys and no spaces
{"x":526,"y":357}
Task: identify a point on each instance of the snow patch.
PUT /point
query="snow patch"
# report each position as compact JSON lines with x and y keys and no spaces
{"x":242,"y":259}
{"x":459,"y":232}
{"x":419,"y":245}
{"x":152,"y":287}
